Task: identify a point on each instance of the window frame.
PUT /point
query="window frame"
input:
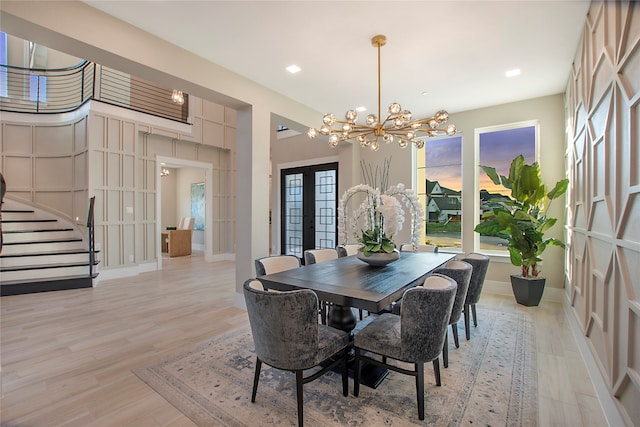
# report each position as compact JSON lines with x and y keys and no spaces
{"x":535,"y":123}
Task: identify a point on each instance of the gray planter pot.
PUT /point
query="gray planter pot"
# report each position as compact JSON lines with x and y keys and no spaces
{"x":527,"y":291}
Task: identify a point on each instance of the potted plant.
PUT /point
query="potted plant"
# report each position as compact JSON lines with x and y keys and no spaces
{"x":380,"y":216}
{"x":522,"y":220}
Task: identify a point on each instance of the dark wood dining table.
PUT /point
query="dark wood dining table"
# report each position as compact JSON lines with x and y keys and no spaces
{"x":349,"y":282}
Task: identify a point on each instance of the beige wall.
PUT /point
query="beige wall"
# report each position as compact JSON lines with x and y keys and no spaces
{"x":44,"y":161}
{"x":603,"y":160}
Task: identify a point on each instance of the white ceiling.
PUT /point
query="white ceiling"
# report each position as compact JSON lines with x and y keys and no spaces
{"x":457,"y":51}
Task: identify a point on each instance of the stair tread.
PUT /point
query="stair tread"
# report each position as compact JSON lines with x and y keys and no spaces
{"x":18,"y":221}
{"x":47,"y":279}
{"x":47,"y":266}
{"x":44,"y":241}
{"x":36,"y":230}
{"x":47,"y":253}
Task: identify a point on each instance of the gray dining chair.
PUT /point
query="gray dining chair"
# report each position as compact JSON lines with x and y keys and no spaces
{"x":416,"y":336}
{"x":275,"y":264}
{"x":347,"y":250}
{"x":480,"y":264}
{"x":459,"y":271}
{"x":408,"y":247}
{"x":287,"y":336}
{"x":316,"y":256}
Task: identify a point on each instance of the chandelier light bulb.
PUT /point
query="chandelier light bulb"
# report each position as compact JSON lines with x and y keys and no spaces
{"x":394,"y":108}
{"x":398,"y":125}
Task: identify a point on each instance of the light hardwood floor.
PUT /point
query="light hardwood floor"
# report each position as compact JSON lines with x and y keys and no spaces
{"x":67,"y":356}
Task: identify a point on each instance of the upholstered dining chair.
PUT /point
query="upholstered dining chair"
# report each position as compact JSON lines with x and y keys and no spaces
{"x":287,"y":336}
{"x":480,"y":264}
{"x":459,"y":271}
{"x":347,"y":250}
{"x":316,"y":256}
{"x":275,"y":264}
{"x":408,"y":247}
{"x":416,"y":336}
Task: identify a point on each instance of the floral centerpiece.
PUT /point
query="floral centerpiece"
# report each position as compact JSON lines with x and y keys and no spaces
{"x":380,"y":216}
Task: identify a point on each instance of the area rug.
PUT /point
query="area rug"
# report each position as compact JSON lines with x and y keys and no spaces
{"x":491,"y":381}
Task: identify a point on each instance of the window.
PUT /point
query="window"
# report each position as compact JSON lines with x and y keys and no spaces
{"x":440,"y":190}
{"x":3,"y":60}
{"x":498,"y":146}
{"x":440,"y":169}
{"x":37,"y":87}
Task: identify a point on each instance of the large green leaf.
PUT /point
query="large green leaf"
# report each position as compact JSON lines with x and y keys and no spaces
{"x":492,"y":174}
{"x":559,"y":189}
{"x":514,"y":255}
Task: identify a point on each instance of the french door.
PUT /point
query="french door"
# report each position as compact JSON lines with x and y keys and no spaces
{"x":309,"y":208}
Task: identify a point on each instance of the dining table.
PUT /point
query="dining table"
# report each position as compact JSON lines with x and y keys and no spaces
{"x":347,"y":282}
{"x":350,"y":282}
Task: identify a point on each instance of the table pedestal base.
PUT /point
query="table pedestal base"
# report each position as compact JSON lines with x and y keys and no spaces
{"x":343,"y":318}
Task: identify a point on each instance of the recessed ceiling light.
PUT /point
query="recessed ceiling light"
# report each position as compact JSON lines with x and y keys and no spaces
{"x":425,"y":93}
{"x":293,"y":69}
{"x":513,"y":73}
{"x":361,"y":109}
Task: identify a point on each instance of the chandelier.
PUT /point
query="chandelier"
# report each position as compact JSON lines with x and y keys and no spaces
{"x":177,"y":96}
{"x":397,"y":125}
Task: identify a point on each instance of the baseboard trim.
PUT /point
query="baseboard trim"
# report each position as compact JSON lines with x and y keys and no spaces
{"x":220,"y":257}
{"x":607,"y":402}
{"x":120,"y":273}
{"x":504,"y":288}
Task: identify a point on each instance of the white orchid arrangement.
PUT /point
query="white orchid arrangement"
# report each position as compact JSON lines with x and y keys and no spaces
{"x":380,"y":214}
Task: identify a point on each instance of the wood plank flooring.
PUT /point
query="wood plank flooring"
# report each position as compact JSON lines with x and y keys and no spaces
{"x":67,"y":356}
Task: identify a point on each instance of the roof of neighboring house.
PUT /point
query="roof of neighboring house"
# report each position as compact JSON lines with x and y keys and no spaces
{"x":486,"y":196}
{"x":444,"y":190}
{"x":447,"y":203}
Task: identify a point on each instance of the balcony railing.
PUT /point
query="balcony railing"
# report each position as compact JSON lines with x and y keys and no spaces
{"x":31,"y":90}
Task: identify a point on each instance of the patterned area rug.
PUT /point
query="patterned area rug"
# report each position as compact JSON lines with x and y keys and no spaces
{"x":491,"y":381}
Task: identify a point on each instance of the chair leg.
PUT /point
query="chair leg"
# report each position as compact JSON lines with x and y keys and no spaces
{"x":436,"y":371}
{"x":299,"y":396}
{"x":467,"y":324}
{"x":356,"y":373}
{"x":454,"y":329}
{"x":473,"y":312}
{"x":445,"y":351}
{"x":256,"y":377}
{"x":345,"y":373}
{"x":323,"y":312}
{"x":420,"y":389}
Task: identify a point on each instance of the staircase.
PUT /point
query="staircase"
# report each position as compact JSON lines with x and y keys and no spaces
{"x":42,"y":252}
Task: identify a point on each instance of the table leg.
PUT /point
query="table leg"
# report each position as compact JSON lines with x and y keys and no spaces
{"x":343,"y":318}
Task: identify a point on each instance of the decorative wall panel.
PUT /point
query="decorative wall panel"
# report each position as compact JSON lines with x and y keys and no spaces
{"x":123,"y":178}
{"x":47,"y":165}
{"x":603,"y":286}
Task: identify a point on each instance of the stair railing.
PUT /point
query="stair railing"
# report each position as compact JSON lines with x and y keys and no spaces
{"x":91,"y":230}
{"x":47,"y":90}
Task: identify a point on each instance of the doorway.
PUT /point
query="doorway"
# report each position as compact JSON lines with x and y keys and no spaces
{"x":308,"y":214}
{"x":201,"y":238}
